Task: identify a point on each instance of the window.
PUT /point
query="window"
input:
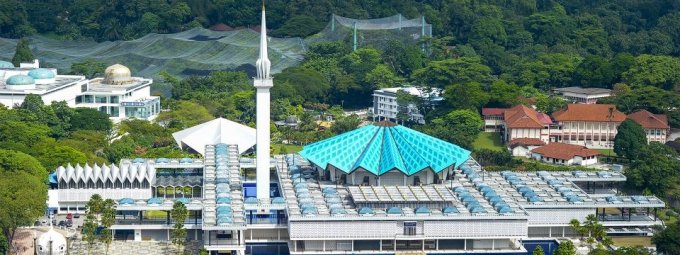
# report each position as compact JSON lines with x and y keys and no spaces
{"x":83,"y":87}
{"x":88,"y":99}
{"x":410,"y":228}
{"x":100,"y":99}
{"x":113,"y":99}
{"x":79,"y":99}
{"x":113,"y":111}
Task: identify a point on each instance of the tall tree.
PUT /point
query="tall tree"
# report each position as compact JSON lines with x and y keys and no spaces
{"x":459,"y":126}
{"x":179,"y":214}
{"x":630,"y":138}
{"x":23,"y":53}
{"x":666,"y":240}
{"x":22,"y":192}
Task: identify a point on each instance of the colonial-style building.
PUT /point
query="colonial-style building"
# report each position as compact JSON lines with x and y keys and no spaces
{"x":493,"y":119}
{"x":655,"y":125}
{"x":525,"y":122}
{"x":565,"y":154}
{"x":521,"y":147}
{"x":590,"y":125}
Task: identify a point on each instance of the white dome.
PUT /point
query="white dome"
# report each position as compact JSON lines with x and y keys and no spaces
{"x":58,"y":242}
{"x":117,"y":75}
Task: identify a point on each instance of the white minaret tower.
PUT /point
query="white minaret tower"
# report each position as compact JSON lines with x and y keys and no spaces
{"x":263,"y":82}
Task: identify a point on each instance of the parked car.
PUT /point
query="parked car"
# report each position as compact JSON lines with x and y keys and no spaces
{"x":76,"y":216}
{"x":69,"y":216}
{"x":61,"y":223}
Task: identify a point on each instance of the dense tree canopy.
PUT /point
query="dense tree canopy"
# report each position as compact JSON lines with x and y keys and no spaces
{"x":23,"y":191}
{"x":630,"y":137}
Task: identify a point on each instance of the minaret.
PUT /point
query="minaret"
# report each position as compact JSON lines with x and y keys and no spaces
{"x":263,"y":82}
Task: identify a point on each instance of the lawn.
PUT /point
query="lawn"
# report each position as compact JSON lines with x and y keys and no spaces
{"x":644,"y":241}
{"x":607,"y":152}
{"x":491,"y":141}
{"x":290,"y":148}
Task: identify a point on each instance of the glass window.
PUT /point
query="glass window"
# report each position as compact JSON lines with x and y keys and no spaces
{"x":83,"y":87}
{"x":88,"y":99}
{"x":113,"y":111}
{"x":100,"y":99}
{"x":79,"y":99}
{"x":113,"y":99}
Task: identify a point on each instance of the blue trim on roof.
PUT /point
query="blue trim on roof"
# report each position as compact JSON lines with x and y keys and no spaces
{"x":380,"y":149}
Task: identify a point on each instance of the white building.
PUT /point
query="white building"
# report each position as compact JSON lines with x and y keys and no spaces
{"x":655,"y":125}
{"x":385,"y":105}
{"x":565,"y":154}
{"x":121,"y":95}
{"x":578,"y":95}
{"x":118,"y":93}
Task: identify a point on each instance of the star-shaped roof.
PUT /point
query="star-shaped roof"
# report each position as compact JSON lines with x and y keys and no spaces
{"x":382,"y":147}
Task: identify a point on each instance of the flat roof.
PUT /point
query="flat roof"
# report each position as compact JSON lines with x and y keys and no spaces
{"x":60,"y":81}
{"x":96,"y":85}
{"x":585,"y":91}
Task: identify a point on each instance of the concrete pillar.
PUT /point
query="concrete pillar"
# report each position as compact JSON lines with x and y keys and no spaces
{"x":138,"y":235}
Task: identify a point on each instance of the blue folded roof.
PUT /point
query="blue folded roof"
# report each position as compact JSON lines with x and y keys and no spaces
{"x":382,"y":147}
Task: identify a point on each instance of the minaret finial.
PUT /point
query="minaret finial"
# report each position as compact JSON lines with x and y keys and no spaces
{"x":263,"y":64}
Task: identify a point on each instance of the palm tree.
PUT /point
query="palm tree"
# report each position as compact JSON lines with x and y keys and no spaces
{"x":576,"y":225}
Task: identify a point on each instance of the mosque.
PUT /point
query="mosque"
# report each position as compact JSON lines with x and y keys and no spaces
{"x":118,"y":93}
{"x":380,"y":189}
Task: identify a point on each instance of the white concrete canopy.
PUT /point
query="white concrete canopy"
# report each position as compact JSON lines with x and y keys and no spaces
{"x":216,"y":131}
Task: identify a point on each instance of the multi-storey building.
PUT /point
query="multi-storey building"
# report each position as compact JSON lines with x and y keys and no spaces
{"x":380,"y":189}
{"x":385,"y":105}
{"x":590,"y":125}
{"x":655,"y":125}
{"x":118,"y":94}
{"x":493,"y":119}
{"x":578,"y":95}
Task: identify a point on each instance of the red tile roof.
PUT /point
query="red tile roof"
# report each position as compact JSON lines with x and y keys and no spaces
{"x":525,"y":142}
{"x":524,"y":117}
{"x":649,"y":120}
{"x":564,"y":151}
{"x":590,"y":112}
{"x":493,"y":111}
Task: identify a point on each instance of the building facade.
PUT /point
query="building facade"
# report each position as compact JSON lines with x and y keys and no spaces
{"x":385,"y":105}
{"x":590,"y":125}
{"x":118,"y":94}
{"x":655,"y":125}
{"x":565,"y":154}
{"x":578,"y":95}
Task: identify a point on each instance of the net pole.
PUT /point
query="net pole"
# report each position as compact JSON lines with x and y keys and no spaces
{"x":355,"y":36}
{"x":422,"y":30}
{"x":333,"y":22}
{"x":400,"y":21}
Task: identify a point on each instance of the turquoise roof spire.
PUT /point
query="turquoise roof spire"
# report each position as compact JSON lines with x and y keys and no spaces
{"x":385,"y":146}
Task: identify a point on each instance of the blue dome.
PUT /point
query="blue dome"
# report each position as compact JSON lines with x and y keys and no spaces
{"x":5,"y":64}
{"x":20,"y":79}
{"x":41,"y":73}
{"x":154,"y":201}
{"x":126,"y":201}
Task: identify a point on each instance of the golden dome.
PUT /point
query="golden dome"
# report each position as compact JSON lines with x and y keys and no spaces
{"x":117,"y":75}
